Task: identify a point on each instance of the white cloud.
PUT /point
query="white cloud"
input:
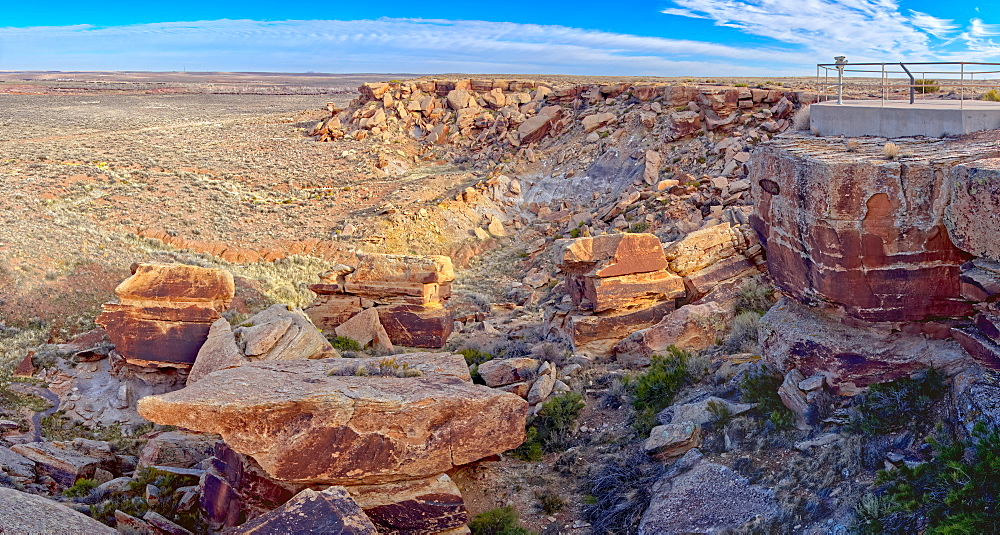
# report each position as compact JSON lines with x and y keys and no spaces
{"x":939,"y":28}
{"x":867,"y":28}
{"x":683,"y":13}
{"x":977,"y":28}
{"x":863,"y":30}
{"x":382,"y":45}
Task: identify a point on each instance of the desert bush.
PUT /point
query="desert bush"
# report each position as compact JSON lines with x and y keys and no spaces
{"x":760,"y":385}
{"x":500,"y":521}
{"x":616,"y":395}
{"x":556,"y":418}
{"x":800,"y":121}
{"x":955,"y":492}
{"x":754,"y":296}
{"x":343,"y":343}
{"x":474,"y":357}
{"x":897,"y":404}
{"x":621,"y":492}
{"x":550,"y":430}
{"x":721,"y":415}
{"x":924,"y":85}
{"x":992,"y":95}
{"x":81,"y":488}
{"x":551,"y":352}
{"x":530,"y":450}
{"x":654,"y":390}
{"x":549,"y":501}
{"x":742,"y":337}
{"x":509,"y":348}
{"x":638,"y":227}
{"x":132,"y":502}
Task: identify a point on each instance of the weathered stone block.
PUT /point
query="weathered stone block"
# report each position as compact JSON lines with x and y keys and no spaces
{"x":416,"y":326}
{"x":303,"y":425}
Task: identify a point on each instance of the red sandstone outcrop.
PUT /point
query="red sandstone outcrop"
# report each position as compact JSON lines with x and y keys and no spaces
{"x":859,"y":231}
{"x":164,"y":312}
{"x":407,"y":293}
{"x":303,"y":425}
{"x":885,"y":241}
{"x":329,"y":511}
{"x":618,"y":283}
{"x":973,"y":212}
{"x":849,"y":357}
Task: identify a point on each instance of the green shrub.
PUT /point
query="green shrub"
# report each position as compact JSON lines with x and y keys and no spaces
{"x":654,"y":390}
{"x":897,"y":404}
{"x":639,"y":227}
{"x":133,"y":503}
{"x":556,"y":418}
{"x":575,"y":233}
{"x":760,"y":385}
{"x":720,"y":413}
{"x":550,"y":430}
{"x":501,"y":521}
{"x":343,"y":343}
{"x":81,"y":488}
{"x":926,"y":86}
{"x":992,"y":95}
{"x":549,"y":502}
{"x":474,"y":357}
{"x":531,"y":449}
{"x":956,"y":492}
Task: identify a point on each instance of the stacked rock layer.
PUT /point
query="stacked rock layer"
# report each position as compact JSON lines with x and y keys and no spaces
{"x":164,"y":312}
{"x":406,"y":292}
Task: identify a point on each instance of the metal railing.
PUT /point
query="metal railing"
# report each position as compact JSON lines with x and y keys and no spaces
{"x":958,"y":80}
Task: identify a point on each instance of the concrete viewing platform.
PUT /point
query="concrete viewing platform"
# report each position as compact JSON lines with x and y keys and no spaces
{"x":895,"y":118}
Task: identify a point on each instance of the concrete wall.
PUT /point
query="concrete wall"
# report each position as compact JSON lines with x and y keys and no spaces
{"x":900,"y":119}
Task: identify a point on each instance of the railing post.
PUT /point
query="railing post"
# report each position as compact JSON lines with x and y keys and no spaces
{"x":912,"y":80}
{"x":841,"y":61}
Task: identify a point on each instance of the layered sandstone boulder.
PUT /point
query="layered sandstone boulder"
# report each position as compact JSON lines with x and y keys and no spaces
{"x":862,"y":232}
{"x":164,"y":312}
{"x":619,"y":283}
{"x":303,"y":425}
{"x":690,"y":327}
{"x":430,"y":505}
{"x":278,"y":332}
{"x":407,"y":292}
{"x":329,"y":511}
{"x":235,"y":488}
{"x":973,"y":213}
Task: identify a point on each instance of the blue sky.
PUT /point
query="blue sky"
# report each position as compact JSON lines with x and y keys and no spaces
{"x":662,"y":37}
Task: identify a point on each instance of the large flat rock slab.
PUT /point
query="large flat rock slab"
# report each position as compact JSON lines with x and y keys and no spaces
{"x":304,"y":425}
{"x":26,"y":513}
